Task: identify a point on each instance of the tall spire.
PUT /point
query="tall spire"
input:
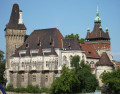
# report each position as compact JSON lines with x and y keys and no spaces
{"x":97,"y":19}
{"x":97,"y":14}
{"x":15,"y":21}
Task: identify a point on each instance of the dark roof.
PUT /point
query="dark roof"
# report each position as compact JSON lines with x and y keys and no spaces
{"x":14,"y":18}
{"x":16,"y":54}
{"x":71,"y":44}
{"x":28,"y":53}
{"x":45,"y":36}
{"x":104,"y":60}
{"x":40,"y":52}
{"x":97,"y":33}
{"x":26,"y":36}
{"x":90,"y":51}
{"x":53,"y":51}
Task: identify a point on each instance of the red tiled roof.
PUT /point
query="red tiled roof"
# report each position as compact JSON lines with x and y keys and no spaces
{"x":90,"y":51}
{"x":104,"y":60}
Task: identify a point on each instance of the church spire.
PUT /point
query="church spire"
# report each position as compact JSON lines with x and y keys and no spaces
{"x":97,"y":19}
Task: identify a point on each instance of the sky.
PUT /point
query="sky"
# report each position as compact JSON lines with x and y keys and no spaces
{"x":69,"y":16}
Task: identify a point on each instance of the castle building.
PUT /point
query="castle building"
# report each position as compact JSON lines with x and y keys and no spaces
{"x":37,"y":59}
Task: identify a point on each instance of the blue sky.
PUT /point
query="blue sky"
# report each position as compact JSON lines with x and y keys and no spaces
{"x":71,"y":16}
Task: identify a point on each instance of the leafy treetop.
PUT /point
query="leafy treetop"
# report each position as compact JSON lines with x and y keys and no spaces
{"x":76,"y":36}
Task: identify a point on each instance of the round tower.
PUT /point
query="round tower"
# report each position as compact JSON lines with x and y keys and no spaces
{"x":15,"y":32}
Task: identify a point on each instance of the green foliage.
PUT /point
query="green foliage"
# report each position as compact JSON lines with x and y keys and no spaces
{"x":78,"y":79}
{"x":75,"y":62}
{"x":67,"y":83}
{"x":2,"y":68}
{"x":112,"y":81}
{"x":87,"y":79}
{"x":10,"y":88}
{"x":76,"y":36}
{"x":29,"y":89}
{"x":1,"y":56}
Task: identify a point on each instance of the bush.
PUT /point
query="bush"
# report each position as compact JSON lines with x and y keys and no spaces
{"x":29,"y":89}
{"x":10,"y":88}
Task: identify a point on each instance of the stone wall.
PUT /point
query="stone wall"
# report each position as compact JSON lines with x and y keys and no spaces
{"x":13,"y":38}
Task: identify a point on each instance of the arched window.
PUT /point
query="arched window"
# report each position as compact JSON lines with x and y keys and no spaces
{"x":64,"y":58}
{"x":22,"y":64}
{"x":92,"y":64}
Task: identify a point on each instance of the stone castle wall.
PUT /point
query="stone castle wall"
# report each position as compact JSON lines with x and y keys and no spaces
{"x":14,"y":39}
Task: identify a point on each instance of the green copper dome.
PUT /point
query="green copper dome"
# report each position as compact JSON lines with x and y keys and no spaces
{"x":88,"y":29}
{"x":97,"y":19}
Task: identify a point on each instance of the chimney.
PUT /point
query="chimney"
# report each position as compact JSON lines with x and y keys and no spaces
{"x":20,"y":18}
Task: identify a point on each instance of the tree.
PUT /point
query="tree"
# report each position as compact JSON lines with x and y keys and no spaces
{"x":78,"y":79}
{"x":83,"y":71}
{"x":112,"y":81}
{"x":76,"y":36}
{"x":68,"y":82}
{"x":87,"y":79}
{"x":2,"y":68}
{"x":1,"y":56}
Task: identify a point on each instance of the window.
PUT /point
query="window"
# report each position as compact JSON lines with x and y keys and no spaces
{"x":22,"y":78}
{"x":64,"y":58}
{"x":46,"y":78}
{"x":89,"y":52}
{"x":47,"y":64}
{"x":92,"y":64}
{"x":22,"y":64}
{"x":34,"y":78}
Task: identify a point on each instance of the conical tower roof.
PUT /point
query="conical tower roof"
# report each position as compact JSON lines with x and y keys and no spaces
{"x":104,"y":60}
{"x":97,"y":33}
{"x":14,"y":19}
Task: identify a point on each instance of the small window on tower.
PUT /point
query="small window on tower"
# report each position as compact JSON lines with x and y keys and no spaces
{"x":46,"y":78}
{"x":34,"y":78}
{"x":27,"y":45}
{"x":22,"y":78}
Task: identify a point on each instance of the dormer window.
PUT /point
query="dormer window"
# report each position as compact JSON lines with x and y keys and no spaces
{"x":27,"y":45}
{"x":89,"y":52}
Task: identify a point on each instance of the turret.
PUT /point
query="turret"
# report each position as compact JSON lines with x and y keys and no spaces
{"x":15,"y":32}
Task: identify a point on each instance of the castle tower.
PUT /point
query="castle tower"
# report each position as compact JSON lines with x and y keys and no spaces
{"x":99,"y":38}
{"x":15,"y":32}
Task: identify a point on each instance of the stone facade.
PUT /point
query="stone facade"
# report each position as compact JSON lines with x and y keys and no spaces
{"x":14,"y":39}
{"x":39,"y":70}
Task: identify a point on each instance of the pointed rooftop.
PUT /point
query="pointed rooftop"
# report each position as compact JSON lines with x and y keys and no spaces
{"x":97,"y":19}
{"x":104,"y":60}
{"x":40,"y":52}
{"x":14,"y":19}
{"x":97,"y":33}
